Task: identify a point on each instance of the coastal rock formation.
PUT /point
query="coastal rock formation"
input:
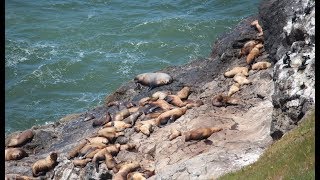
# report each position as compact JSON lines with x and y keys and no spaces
{"x":246,"y":126}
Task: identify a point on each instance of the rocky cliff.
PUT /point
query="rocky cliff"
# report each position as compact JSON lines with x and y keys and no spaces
{"x":273,"y":103}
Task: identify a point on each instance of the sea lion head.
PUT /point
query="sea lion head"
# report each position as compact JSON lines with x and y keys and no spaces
{"x":54,"y":156}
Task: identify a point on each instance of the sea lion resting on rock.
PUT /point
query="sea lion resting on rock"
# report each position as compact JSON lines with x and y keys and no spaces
{"x":119,"y":125}
{"x":153,"y":80}
{"x":125,"y":170}
{"x":80,"y":162}
{"x":21,"y":138}
{"x":102,"y":121}
{"x":184,"y":93}
{"x":258,"y":27}
{"x":162,"y":104}
{"x":222,"y":100}
{"x":98,"y":140}
{"x":41,"y":166}
{"x":132,"y":118}
{"x":171,"y":115}
{"x":236,"y":70}
{"x":200,"y":133}
{"x":14,"y":154}
{"x":175,"y":100}
{"x":233,"y":89}
{"x":247,"y":47}
{"x":99,"y":156}
{"x":254,"y":53}
{"x":192,"y":103}
{"x":261,"y":65}
{"x":75,"y":151}
{"x":110,"y":135}
{"x":128,"y":146}
{"x":135,"y":176}
{"x":121,"y":115}
{"x":159,"y":95}
{"x":174,"y":134}
{"x":241,"y":79}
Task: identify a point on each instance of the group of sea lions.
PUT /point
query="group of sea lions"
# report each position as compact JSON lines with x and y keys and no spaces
{"x":251,"y":49}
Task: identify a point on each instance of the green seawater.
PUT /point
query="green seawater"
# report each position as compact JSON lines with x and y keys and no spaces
{"x":65,"y":56}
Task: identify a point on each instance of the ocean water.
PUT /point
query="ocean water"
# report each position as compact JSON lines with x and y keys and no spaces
{"x":65,"y":56}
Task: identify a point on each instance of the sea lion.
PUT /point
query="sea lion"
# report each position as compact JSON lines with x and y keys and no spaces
{"x":99,"y":156}
{"x":102,"y":121}
{"x":233,"y":89}
{"x":125,"y":170}
{"x":129,"y":146}
{"x":153,"y":80}
{"x":175,"y":100}
{"x":241,"y":79}
{"x":162,"y":104}
{"x":146,"y":129}
{"x":75,"y":151}
{"x":119,"y":125}
{"x":247,"y":47}
{"x":41,"y":166}
{"x":258,"y":27}
{"x":254,"y":53}
{"x":200,"y":133}
{"x":98,"y":140}
{"x":134,"y":109}
{"x":110,"y":135}
{"x":107,"y":130}
{"x":184,"y":93}
{"x":121,"y":115}
{"x":135,"y":176}
{"x":14,"y":154}
{"x":174,"y":134}
{"x":110,"y":161}
{"x":91,"y":154}
{"x":117,"y":167}
{"x":80,"y":162}
{"x":236,"y":70}
{"x":222,"y":100}
{"x":261,"y":65}
{"x":21,"y":139}
{"x":144,"y":101}
{"x":113,"y":149}
{"x":171,"y":115}
{"x":159,"y":95}
{"x":87,"y":149}
{"x":19,"y":177}
{"x":192,"y":103}
{"x":150,"y":116}
{"x":133,"y":118}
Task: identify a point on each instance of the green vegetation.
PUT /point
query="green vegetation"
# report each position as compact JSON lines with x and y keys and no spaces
{"x":292,"y":157}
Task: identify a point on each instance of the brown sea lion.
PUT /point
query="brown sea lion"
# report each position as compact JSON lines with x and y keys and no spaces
{"x":14,"y":154}
{"x":107,"y":130}
{"x":134,"y":109}
{"x":236,"y":70}
{"x":41,"y":166}
{"x":233,"y":89}
{"x":81,"y":162}
{"x":144,"y":117}
{"x":258,"y":27}
{"x":144,"y":101}
{"x":98,"y":140}
{"x":129,"y":146}
{"x":146,"y":129}
{"x":133,"y":118}
{"x":247,"y":47}
{"x":200,"y":133}
{"x":241,"y":79}
{"x":99,"y":156}
{"x":110,"y":135}
{"x":89,"y":148}
{"x":159,"y":95}
{"x":75,"y":151}
{"x":91,"y":154}
{"x":171,"y":115}
{"x":110,"y":161}
{"x":102,"y":121}
{"x":117,"y":167}
{"x":222,"y":100}
{"x":21,"y":139}
{"x":113,"y":149}
{"x":261,"y":65}
{"x":162,"y":104}
{"x":121,"y":115}
{"x":125,"y":170}
{"x":175,"y":100}
{"x":119,"y":125}
{"x":254,"y":53}
{"x":153,"y":80}
{"x":184,"y":93}
{"x":192,"y":103}
{"x":135,"y":176}
{"x":174,"y":134}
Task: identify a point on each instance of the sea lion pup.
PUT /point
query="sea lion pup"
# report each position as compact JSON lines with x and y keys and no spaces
{"x":14,"y":154}
{"x":75,"y":151}
{"x":21,"y":139}
{"x":233,"y":89}
{"x":19,"y":177}
{"x":200,"y":133}
{"x":184,"y":93}
{"x":171,"y":115}
{"x":193,"y":103}
{"x":258,"y":27}
{"x":41,"y":166}
{"x":153,"y":80}
{"x":241,"y":79}
{"x":254,"y":53}
{"x":125,"y":170}
{"x":175,"y":100}
{"x":162,"y":104}
{"x":247,"y":47}
{"x":159,"y":95}
{"x":98,"y":140}
{"x":133,"y":118}
{"x":236,"y":70}
{"x":121,"y":115}
{"x":135,"y":176}
{"x":80,"y":162}
{"x":129,"y":146}
{"x":261,"y":65}
{"x":222,"y":100}
{"x":102,"y":121}
{"x":119,"y":125}
{"x":174,"y":134}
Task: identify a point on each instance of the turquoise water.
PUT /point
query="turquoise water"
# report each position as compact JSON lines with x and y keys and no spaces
{"x":65,"y":56}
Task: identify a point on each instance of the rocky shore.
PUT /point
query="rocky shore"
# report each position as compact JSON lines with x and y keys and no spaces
{"x":274,"y":102}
